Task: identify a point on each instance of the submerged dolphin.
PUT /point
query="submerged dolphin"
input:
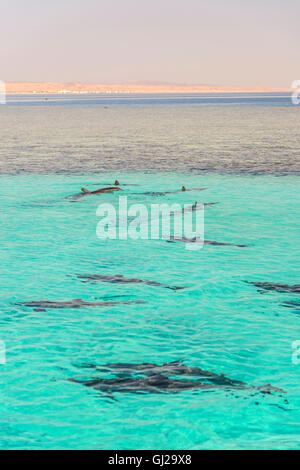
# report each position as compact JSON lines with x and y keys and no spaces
{"x":116,"y":183}
{"x":42,"y":305}
{"x":167,"y":369}
{"x":157,"y":379}
{"x":269,"y":286}
{"x":162,"y":193}
{"x":153,"y":384}
{"x":120,"y":184}
{"x":194,"y":207}
{"x":119,"y":278}
{"x":85,"y":192}
{"x":173,"y":238}
{"x":292,"y":304}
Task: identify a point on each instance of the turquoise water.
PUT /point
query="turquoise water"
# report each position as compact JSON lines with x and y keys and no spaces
{"x":218,"y":323}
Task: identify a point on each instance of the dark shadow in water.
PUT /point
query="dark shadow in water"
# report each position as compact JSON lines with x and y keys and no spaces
{"x":173,"y":238}
{"x":43,"y":305}
{"x":120,"y":279}
{"x":269,"y":286}
{"x":153,"y":378}
{"x":120,"y":184}
{"x":292,"y":304}
{"x":163,"y":193}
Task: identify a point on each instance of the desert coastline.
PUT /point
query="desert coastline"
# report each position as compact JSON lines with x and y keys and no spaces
{"x":17,"y":88}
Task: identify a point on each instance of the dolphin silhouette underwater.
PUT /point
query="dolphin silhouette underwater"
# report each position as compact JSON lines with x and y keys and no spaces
{"x":153,"y":384}
{"x":116,"y":183}
{"x":168,"y":369}
{"x":173,"y":238}
{"x":163,"y":193}
{"x":193,"y":207}
{"x":119,"y":278}
{"x":269,"y":286}
{"x":43,"y":305}
{"x":292,"y":304}
{"x":157,"y":379}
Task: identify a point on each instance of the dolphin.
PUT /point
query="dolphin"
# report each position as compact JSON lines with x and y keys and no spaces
{"x":173,"y":238}
{"x":116,"y":183}
{"x":43,"y":305}
{"x":189,"y":189}
{"x":194,"y":207}
{"x":163,"y":193}
{"x":153,"y":384}
{"x":119,"y":278}
{"x":158,"y":379}
{"x":85,"y":192}
{"x":120,"y":184}
{"x":269,"y":286}
{"x":167,"y":369}
{"x":102,"y":190}
{"x":292,"y":304}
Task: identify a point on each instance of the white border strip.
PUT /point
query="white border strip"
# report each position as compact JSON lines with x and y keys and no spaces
{"x":2,"y":92}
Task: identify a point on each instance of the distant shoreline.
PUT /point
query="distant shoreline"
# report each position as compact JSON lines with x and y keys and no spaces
{"x":36,"y":88}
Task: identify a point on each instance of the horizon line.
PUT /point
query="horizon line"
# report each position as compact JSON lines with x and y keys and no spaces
{"x":56,"y":87}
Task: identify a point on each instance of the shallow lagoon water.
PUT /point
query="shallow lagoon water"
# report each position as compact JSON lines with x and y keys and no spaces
{"x":219,"y":322}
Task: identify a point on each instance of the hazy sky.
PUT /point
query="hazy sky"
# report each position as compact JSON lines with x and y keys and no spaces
{"x":223,"y":42}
